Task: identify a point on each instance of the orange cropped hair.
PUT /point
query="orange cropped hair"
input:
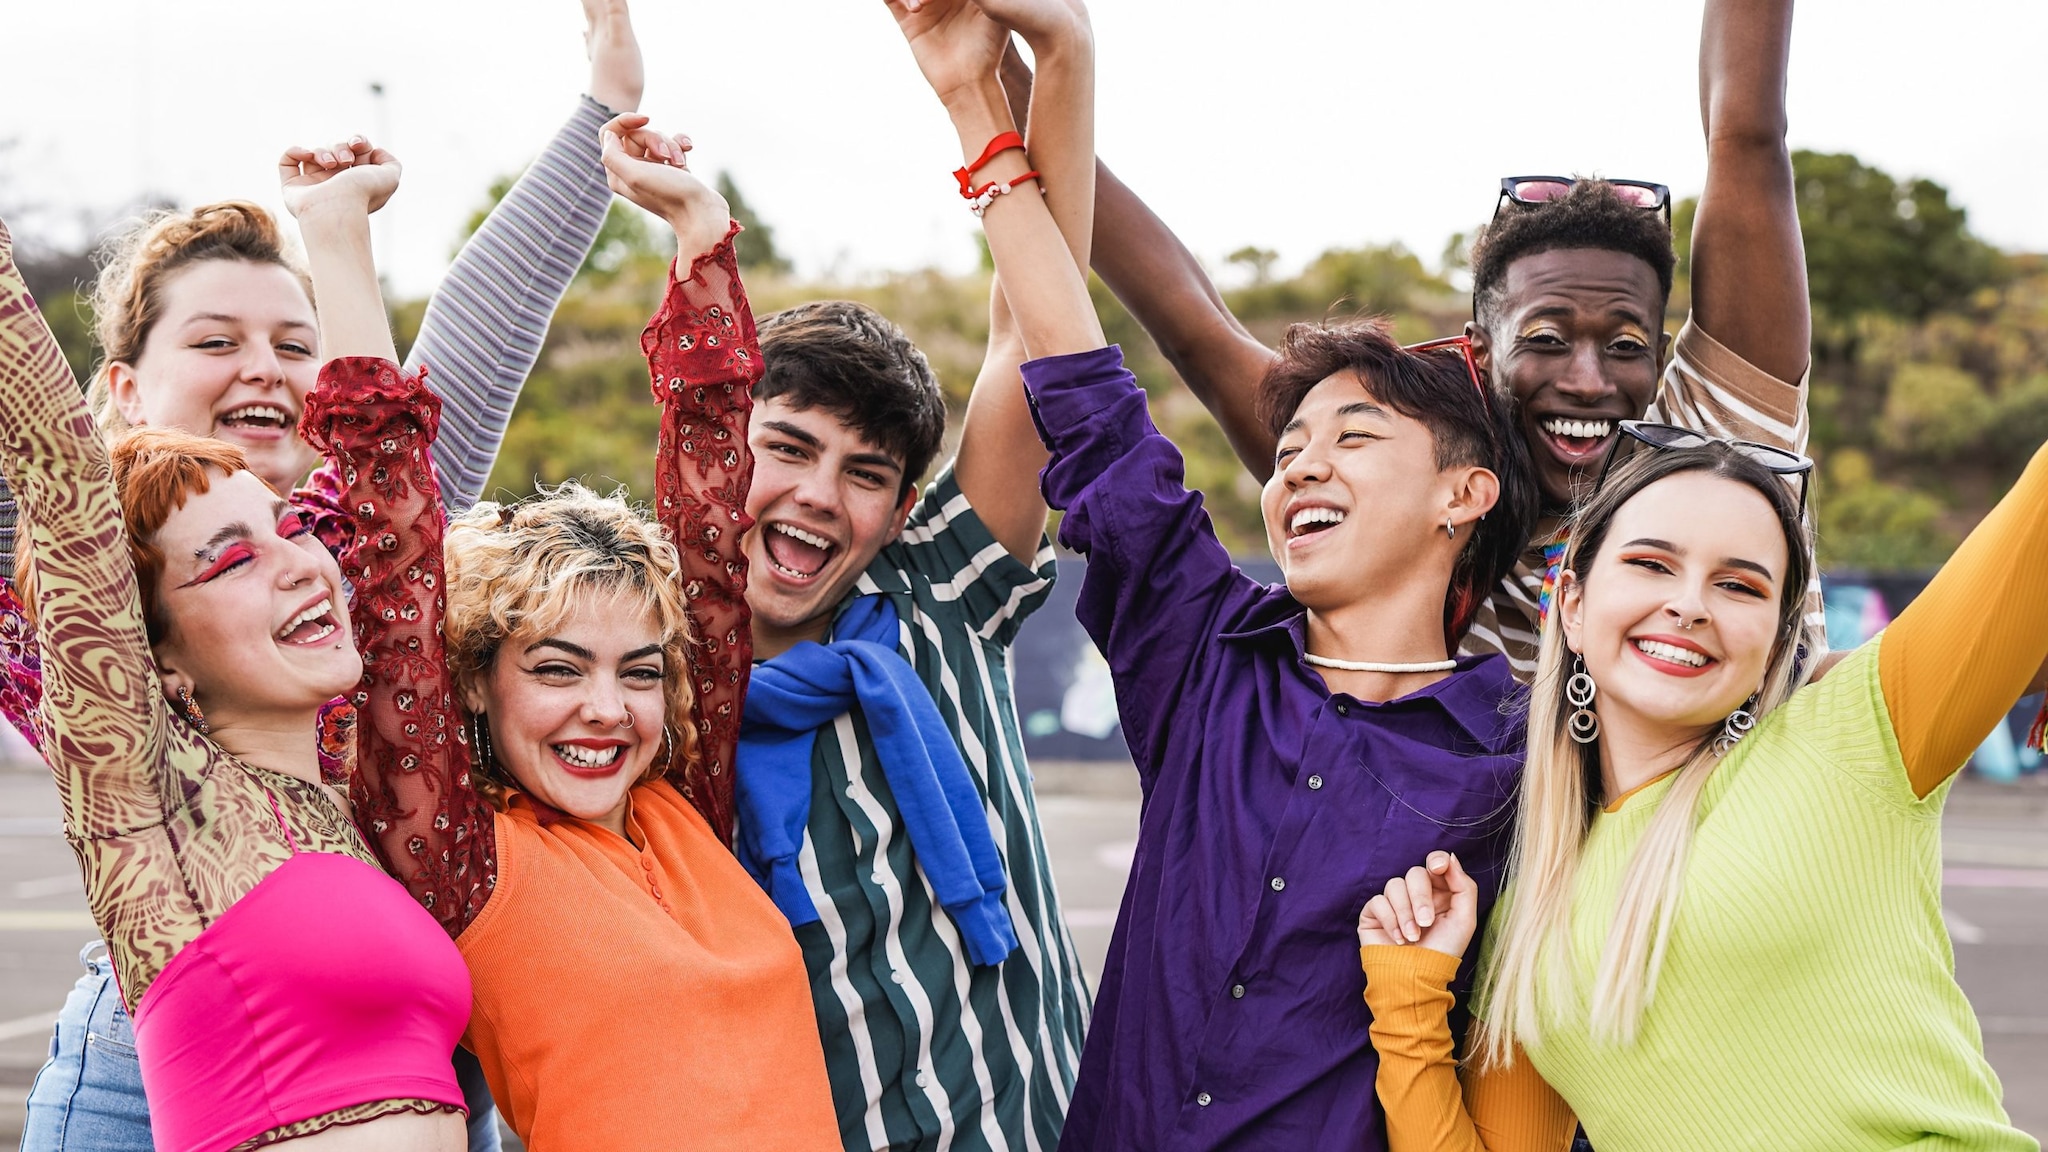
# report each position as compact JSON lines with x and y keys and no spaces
{"x":127,"y":298}
{"x":155,"y":471}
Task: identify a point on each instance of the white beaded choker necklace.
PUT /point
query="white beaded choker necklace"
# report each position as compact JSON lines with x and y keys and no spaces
{"x":1376,"y":666}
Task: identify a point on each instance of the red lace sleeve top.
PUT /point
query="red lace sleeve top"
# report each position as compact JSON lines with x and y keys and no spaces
{"x":412,"y":790}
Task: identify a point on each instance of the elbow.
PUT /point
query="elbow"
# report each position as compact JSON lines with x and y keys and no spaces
{"x":1758,"y":134}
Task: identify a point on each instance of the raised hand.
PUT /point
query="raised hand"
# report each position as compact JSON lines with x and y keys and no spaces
{"x":353,"y":174}
{"x":617,"y":76}
{"x":1040,"y":22}
{"x":653,"y":171}
{"x":956,"y":43}
{"x":1435,"y":905}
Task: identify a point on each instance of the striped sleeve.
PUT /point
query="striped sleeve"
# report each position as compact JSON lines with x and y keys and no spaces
{"x":946,"y":543}
{"x":484,"y":327}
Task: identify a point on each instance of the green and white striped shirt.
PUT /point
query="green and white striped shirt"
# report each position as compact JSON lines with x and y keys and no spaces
{"x":925,"y":1050}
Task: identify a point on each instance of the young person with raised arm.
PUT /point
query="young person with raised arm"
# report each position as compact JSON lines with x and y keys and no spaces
{"x":1569,"y":296}
{"x":207,"y":324}
{"x":1723,"y":924}
{"x":1292,"y":742}
{"x":548,"y":721}
{"x":884,"y":798}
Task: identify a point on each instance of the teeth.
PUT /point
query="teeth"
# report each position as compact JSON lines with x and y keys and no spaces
{"x":310,"y":614}
{"x":260,"y":412}
{"x":795,"y":533}
{"x":1579,"y":429}
{"x":1672,"y":652}
{"x":1314,"y":516}
{"x":587,"y":757}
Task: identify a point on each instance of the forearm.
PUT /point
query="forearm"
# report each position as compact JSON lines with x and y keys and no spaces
{"x":703,"y":359}
{"x":485,"y":325}
{"x":1426,"y":1103}
{"x":351,"y":302}
{"x":414,"y":800}
{"x":1748,"y":264}
{"x":1968,"y":646}
{"x":1047,"y":293}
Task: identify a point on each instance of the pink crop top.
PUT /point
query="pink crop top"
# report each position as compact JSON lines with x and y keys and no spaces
{"x":325,"y":987}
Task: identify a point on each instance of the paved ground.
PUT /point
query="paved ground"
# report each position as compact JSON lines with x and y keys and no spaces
{"x":1997,"y":896}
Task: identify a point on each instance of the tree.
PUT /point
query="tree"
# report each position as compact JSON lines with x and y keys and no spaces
{"x":1883,"y":245}
{"x":757,"y":251}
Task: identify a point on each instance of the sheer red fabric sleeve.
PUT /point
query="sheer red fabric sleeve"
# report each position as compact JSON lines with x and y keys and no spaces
{"x":703,"y":359}
{"x":412,"y":792}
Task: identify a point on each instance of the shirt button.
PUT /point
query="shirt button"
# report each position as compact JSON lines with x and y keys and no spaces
{"x":1203,"y":1099}
{"x":1343,"y":709}
{"x":1315,"y":782}
{"x":896,"y":974}
{"x":920,"y":1079}
{"x":1278,"y":884}
{"x":1237,"y":991}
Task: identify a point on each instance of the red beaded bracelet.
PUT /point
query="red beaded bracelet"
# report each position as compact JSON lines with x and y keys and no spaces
{"x":978,"y":199}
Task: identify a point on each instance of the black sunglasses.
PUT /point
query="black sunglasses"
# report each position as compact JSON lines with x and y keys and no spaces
{"x":1530,"y":191}
{"x":1667,"y":436}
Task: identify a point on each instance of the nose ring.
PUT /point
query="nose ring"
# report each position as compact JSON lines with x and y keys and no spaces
{"x":1686,"y":624}
{"x":627,"y":722}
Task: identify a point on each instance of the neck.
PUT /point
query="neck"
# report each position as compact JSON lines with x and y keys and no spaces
{"x":288,"y":743}
{"x":1398,"y":625}
{"x":1633,"y":753}
{"x":771,"y":641}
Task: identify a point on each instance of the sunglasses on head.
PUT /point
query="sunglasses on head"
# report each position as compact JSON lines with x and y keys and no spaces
{"x":1530,"y":191}
{"x":1464,"y":345}
{"x":1670,"y":436}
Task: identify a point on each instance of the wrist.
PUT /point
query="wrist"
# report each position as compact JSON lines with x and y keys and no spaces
{"x":1067,"y":44}
{"x":332,"y":216}
{"x":979,"y":112}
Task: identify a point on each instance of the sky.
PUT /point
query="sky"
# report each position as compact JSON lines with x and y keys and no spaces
{"x":1294,"y":125}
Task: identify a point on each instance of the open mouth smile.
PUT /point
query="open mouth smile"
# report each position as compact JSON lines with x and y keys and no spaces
{"x":1576,"y":441}
{"x":795,"y":553}
{"x":1672,"y":658}
{"x":311,"y":626}
{"x":588,"y":760}
{"x":259,"y":418}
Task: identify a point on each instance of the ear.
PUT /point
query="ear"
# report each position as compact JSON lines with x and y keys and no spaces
{"x":1474,"y":491}
{"x":1569,"y":602}
{"x":126,"y":392}
{"x":170,"y":672}
{"x":474,"y":697}
{"x":1482,"y":347}
{"x":903,"y":513}
{"x":1664,"y":342}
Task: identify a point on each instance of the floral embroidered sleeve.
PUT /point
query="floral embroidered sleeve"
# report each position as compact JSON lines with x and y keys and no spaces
{"x":412,"y":792}
{"x":703,"y":359}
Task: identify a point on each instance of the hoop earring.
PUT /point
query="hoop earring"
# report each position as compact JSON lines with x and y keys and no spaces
{"x":479,"y":744}
{"x":190,"y":708}
{"x":1450,"y":529}
{"x":1737,"y":726}
{"x":1579,"y":692}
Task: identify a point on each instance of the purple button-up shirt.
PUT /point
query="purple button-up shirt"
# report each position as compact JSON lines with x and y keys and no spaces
{"x":1231,"y":1013}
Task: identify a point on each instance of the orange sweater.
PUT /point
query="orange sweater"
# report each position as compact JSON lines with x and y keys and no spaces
{"x":667,"y":963}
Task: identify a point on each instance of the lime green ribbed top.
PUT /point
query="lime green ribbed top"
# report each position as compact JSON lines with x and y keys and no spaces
{"x":1808,"y":998}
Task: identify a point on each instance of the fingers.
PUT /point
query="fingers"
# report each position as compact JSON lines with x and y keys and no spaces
{"x":630,"y":136}
{"x":1378,"y":923}
{"x":1396,"y":896}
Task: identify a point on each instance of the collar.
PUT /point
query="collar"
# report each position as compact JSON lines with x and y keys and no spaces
{"x":1480,"y":695}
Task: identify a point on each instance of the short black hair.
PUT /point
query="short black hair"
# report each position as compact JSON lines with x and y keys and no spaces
{"x":1589,"y":216}
{"x":1435,"y":388}
{"x":850,"y":360}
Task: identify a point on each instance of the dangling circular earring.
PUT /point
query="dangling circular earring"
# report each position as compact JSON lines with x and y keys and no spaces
{"x":479,"y":744}
{"x":193,"y":716}
{"x":1579,"y":692}
{"x":1737,"y":726}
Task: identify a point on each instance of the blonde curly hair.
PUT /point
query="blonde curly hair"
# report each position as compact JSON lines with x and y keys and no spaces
{"x":529,"y":567}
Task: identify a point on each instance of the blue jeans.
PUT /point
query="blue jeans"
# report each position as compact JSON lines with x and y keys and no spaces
{"x":88,"y":1095}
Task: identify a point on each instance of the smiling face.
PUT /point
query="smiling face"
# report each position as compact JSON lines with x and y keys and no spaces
{"x":231,"y":356}
{"x":825,"y":501}
{"x":576,"y":715}
{"x":257,"y":626}
{"x":1678,"y":614}
{"x":1355,"y":497}
{"x":1578,"y":339}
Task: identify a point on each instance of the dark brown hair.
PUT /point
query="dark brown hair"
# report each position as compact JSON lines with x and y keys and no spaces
{"x":850,"y":360}
{"x":1434,"y":388}
{"x":1589,"y":216}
